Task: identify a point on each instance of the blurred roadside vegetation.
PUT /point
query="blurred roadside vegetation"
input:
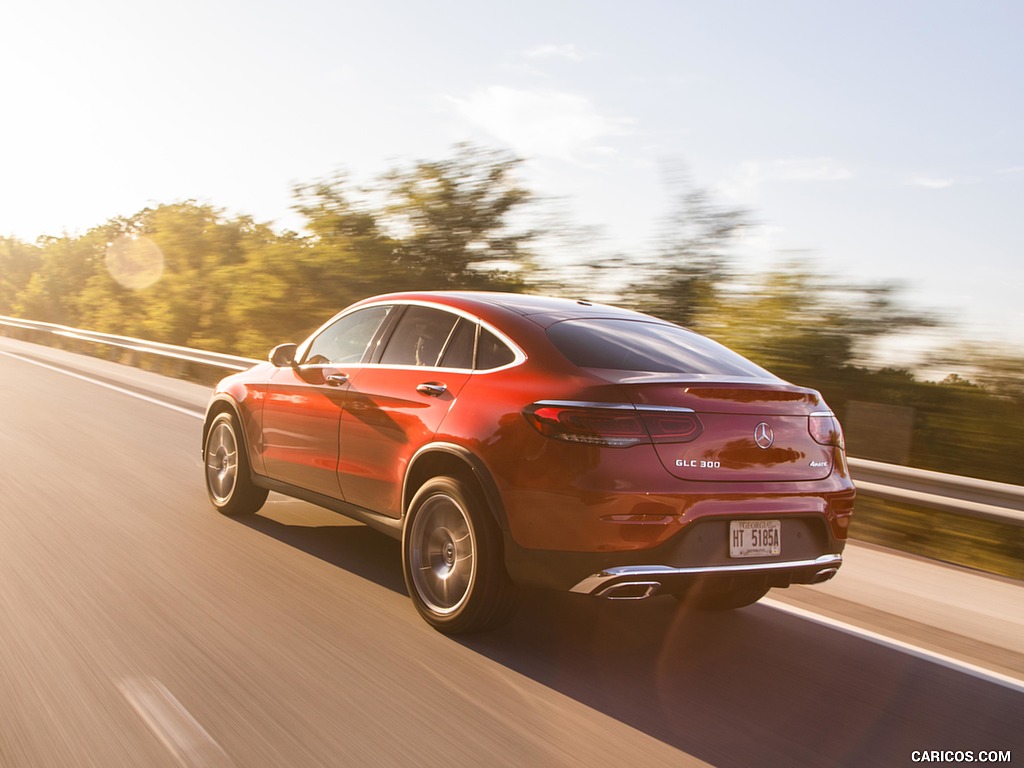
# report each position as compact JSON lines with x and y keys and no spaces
{"x":985,"y":545}
{"x":231,"y":284}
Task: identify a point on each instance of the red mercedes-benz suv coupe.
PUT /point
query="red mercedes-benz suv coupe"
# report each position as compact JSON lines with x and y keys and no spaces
{"x":511,"y":440}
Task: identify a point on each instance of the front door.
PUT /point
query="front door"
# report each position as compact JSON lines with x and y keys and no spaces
{"x":303,"y":406}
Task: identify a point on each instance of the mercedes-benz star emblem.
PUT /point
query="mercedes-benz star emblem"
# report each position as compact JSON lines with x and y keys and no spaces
{"x":763,"y":435}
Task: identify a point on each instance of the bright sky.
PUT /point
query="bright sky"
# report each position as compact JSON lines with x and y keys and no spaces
{"x":878,"y":140}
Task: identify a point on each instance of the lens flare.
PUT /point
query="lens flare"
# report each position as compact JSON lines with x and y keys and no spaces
{"x":135,"y":262}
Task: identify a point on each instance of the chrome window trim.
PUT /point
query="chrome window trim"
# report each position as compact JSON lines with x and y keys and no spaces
{"x":519,"y":355}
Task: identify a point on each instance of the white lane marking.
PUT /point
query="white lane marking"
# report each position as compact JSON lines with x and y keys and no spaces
{"x":922,"y":653}
{"x":122,"y":390}
{"x":174,"y":725}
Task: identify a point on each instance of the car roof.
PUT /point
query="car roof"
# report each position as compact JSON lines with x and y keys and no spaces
{"x":543,"y":310}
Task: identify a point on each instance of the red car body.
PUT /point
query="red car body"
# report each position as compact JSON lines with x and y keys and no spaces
{"x":541,"y":442}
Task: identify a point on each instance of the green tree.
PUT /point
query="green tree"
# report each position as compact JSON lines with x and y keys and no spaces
{"x":799,"y":323}
{"x":18,"y":262}
{"x":435,"y":225}
{"x":66,"y":265}
{"x":691,"y":261}
{"x":999,"y":369}
{"x":163,"y":274}
{"x":451,"y":221}
{"x":280,"y":293}
{"x":197,"y":243}
{"x":345,"y":254}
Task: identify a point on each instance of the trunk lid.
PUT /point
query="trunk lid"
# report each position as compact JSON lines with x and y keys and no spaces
{"x":753,"y":431}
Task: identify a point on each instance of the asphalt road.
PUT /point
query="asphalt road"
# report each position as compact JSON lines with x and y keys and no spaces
{"x":140,"y":628}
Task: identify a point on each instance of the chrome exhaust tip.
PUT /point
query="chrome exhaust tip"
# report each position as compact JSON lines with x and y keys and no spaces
{"x":629,"y":590}
{"x":824,"y":575}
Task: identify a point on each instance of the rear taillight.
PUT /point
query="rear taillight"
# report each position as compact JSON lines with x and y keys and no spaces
{"x":614,"y":426}
{"x":824,"y":428}
{"x":671,"y":426}
{"x":618,"y":428}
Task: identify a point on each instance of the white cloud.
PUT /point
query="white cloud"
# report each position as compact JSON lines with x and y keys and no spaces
{"x":749,"y":177}
{"x":765,"y":238}
{"x":812,"y":169}
{"x":565,"y":51}
{"x":930,"y":182}
{"x":547,"y":123}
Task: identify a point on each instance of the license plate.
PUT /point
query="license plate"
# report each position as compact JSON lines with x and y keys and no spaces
{"x":755,"y":538}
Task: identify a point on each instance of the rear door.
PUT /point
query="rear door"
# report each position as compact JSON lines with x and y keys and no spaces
{"x":396,"y":405}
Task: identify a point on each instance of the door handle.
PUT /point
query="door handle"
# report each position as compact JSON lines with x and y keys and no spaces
{"x":336,"y":379}
{"x":432,"y":388}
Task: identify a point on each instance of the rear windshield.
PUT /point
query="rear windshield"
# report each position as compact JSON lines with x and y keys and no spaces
{"x":633,"y":345}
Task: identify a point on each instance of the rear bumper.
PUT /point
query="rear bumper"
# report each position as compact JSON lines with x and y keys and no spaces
{"x":698,"y":553}
{"x":639,"y":581}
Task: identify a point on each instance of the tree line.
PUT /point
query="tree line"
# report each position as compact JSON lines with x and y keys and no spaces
{"x":186,"y":273}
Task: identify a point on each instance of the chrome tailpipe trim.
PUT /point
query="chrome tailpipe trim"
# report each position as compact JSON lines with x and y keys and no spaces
{"x":606,"y":580}
{"x":629,"y":590}
{"x":824,"y":575}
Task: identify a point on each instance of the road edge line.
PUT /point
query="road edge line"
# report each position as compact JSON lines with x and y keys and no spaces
{"x":899,"y":645}
{"x":108,"y":385}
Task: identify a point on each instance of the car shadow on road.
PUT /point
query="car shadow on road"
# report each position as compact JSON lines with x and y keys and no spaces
{"x":333,"y":539}
{"x":750,"y":687}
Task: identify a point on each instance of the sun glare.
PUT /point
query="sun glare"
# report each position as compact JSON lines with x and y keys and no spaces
{"x":135,"y":262}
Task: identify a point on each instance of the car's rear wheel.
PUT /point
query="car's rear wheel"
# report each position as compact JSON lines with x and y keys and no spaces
{"x":452,"y":559}
{"x":228,"y":480}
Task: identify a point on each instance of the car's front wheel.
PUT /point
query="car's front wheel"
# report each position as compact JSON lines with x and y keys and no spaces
{"x":228,"y":480}
{"x":452,"y":559}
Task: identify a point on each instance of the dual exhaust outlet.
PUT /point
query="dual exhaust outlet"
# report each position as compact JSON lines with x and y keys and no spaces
{"x":643,"y":589}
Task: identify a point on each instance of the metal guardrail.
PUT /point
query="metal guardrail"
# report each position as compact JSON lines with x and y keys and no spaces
{"x":215,"y":359}
{"x":967,"y":496}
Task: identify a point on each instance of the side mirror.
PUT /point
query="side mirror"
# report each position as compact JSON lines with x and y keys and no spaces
{"x":283,"y":355}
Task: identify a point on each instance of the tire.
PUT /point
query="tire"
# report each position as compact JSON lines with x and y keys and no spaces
{"x":228,"y":479}
{"x":707,"y":597}
{"x":452,"y":559}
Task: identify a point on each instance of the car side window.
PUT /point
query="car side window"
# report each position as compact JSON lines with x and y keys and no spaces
{"x":419,"y":337}
{"x":347,"y":340}
{"x":461,"y":346}
{"x":492,"y":352}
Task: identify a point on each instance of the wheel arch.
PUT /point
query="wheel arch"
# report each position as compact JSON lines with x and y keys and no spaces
{"x":449,"y":459}
{"x":222,"y":404}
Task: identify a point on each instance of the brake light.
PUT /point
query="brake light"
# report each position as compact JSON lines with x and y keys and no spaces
{"x":672,"y":426}
{"x":593,"y":426}
{"x":614,"y":426}
{"x":824,"y":428}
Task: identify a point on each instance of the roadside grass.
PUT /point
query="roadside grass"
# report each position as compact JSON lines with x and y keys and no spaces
{"x":985,"y":545}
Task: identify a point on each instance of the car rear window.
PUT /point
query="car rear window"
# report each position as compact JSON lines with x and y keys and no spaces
{"x":633,"y":345}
